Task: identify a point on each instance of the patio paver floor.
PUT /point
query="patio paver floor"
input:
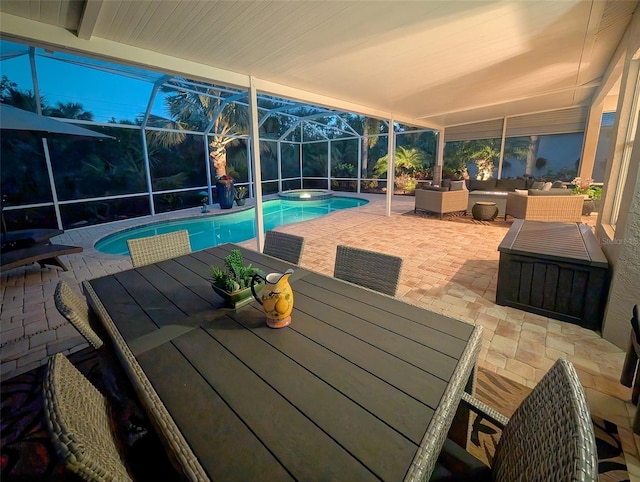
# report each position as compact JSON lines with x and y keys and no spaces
{"x":449,"y":267}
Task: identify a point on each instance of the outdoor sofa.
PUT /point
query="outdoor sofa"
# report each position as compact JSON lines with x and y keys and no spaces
{"x":496,"y":190}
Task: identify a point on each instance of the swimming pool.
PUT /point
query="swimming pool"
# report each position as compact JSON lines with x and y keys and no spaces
{"x":205,"y":232}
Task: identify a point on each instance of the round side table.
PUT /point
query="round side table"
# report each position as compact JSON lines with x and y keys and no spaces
{"x":484,"y":211}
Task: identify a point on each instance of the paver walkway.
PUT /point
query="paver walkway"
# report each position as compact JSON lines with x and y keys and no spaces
{"x":449,"y":267}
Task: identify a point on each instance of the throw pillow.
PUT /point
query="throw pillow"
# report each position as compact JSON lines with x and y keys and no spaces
{"x":537,"y":185}
{"x":457,"y":186}
{"x":522,"y":192}
{"x":547,"y":186}
{"x":558,"y":185}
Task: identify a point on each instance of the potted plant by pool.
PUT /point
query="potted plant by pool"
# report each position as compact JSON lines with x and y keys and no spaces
{"x":233,"y":281}
{"x":241,"y":195}
{"x":590,"y":192}
{"x":224,"y":191}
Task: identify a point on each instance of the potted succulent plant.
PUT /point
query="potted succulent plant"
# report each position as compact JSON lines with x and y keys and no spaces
{"x":233,"y":282}
{"x":240,"y":195}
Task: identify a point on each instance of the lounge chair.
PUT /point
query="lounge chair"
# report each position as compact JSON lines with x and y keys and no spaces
{"x":44,"y":254}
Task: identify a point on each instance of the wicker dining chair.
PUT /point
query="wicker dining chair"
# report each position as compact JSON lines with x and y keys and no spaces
{"x":76,"y":311}
{"x":549,"y":437}
{"x":376,"y":271}
{"x":287,"y":247}
{"x":78,"y":419}
{"x":156,"y":248}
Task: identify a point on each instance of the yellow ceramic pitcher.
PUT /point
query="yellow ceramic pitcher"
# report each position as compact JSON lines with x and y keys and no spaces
{"x":276,"y":298}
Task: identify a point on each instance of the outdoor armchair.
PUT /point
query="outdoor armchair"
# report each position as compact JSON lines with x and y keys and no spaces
{"x":562,"y":209}
{"x":441,"y":201}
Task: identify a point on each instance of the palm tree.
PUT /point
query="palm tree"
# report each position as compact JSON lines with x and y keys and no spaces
{"x":407,"y":161}
{"x":191,"y":111}
{"x":68,"y":110}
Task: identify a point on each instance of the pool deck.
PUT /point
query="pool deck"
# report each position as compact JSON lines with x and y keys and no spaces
{"x":449,"y":267}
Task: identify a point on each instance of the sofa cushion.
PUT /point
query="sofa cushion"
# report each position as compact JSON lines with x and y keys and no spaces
{"x":446,"y":183}
{"x":550,"y":192}
{"x":434,"y":188}
{"x":522,"y":192}
{"x":511,"y":184}
{"x":488,"y":185}
{"x":457,"y":186}
{"x":537,"y":185}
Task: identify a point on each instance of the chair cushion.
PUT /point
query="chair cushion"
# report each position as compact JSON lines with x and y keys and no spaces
{"x":435,"y":188}
{"x":550,"y":192}
{"x":457,"y":186}
{"x":446,"y":183}
{"x":522,"y":192}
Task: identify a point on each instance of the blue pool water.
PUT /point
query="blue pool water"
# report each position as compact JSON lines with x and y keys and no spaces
{"x":205,"y":232}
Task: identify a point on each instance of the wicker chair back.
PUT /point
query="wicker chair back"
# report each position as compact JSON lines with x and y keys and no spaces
{"x":76,"y":311}
{"x":156,"y":248}
{"x":376,"y":271}
{"x":77,"y":417}
{"x":287,"y":247}
{"x":550,"y":435}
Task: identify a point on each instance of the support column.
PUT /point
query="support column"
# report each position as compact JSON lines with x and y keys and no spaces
{"x":437,"y":169}
{"x":255,"y":162}
{"x":590,"y":143}
{"x":391,"y":165}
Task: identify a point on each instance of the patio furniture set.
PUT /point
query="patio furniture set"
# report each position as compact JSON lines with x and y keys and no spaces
{"x":364,"y":386}
{"x":519,"y":198}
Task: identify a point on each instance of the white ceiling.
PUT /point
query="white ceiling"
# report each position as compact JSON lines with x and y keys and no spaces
{"x":442,"y":62}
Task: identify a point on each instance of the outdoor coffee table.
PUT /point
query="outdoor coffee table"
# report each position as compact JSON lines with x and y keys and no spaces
{"x":360,"y":386}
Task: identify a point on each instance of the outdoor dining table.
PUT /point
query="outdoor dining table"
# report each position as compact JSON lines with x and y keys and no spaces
{"x":360,"y":386}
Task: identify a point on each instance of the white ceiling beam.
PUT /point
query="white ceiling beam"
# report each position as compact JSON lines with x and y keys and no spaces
{"x":89,"y":18}
{"x":56,"y":38}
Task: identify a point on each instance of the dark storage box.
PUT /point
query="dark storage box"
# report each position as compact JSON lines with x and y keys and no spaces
{"x":554,"y":269}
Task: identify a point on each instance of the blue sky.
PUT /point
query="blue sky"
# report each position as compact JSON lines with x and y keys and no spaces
{"x":104,"y":94}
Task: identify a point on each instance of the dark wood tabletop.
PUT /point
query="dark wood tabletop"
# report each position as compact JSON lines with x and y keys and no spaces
{"x":360,"y":386}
